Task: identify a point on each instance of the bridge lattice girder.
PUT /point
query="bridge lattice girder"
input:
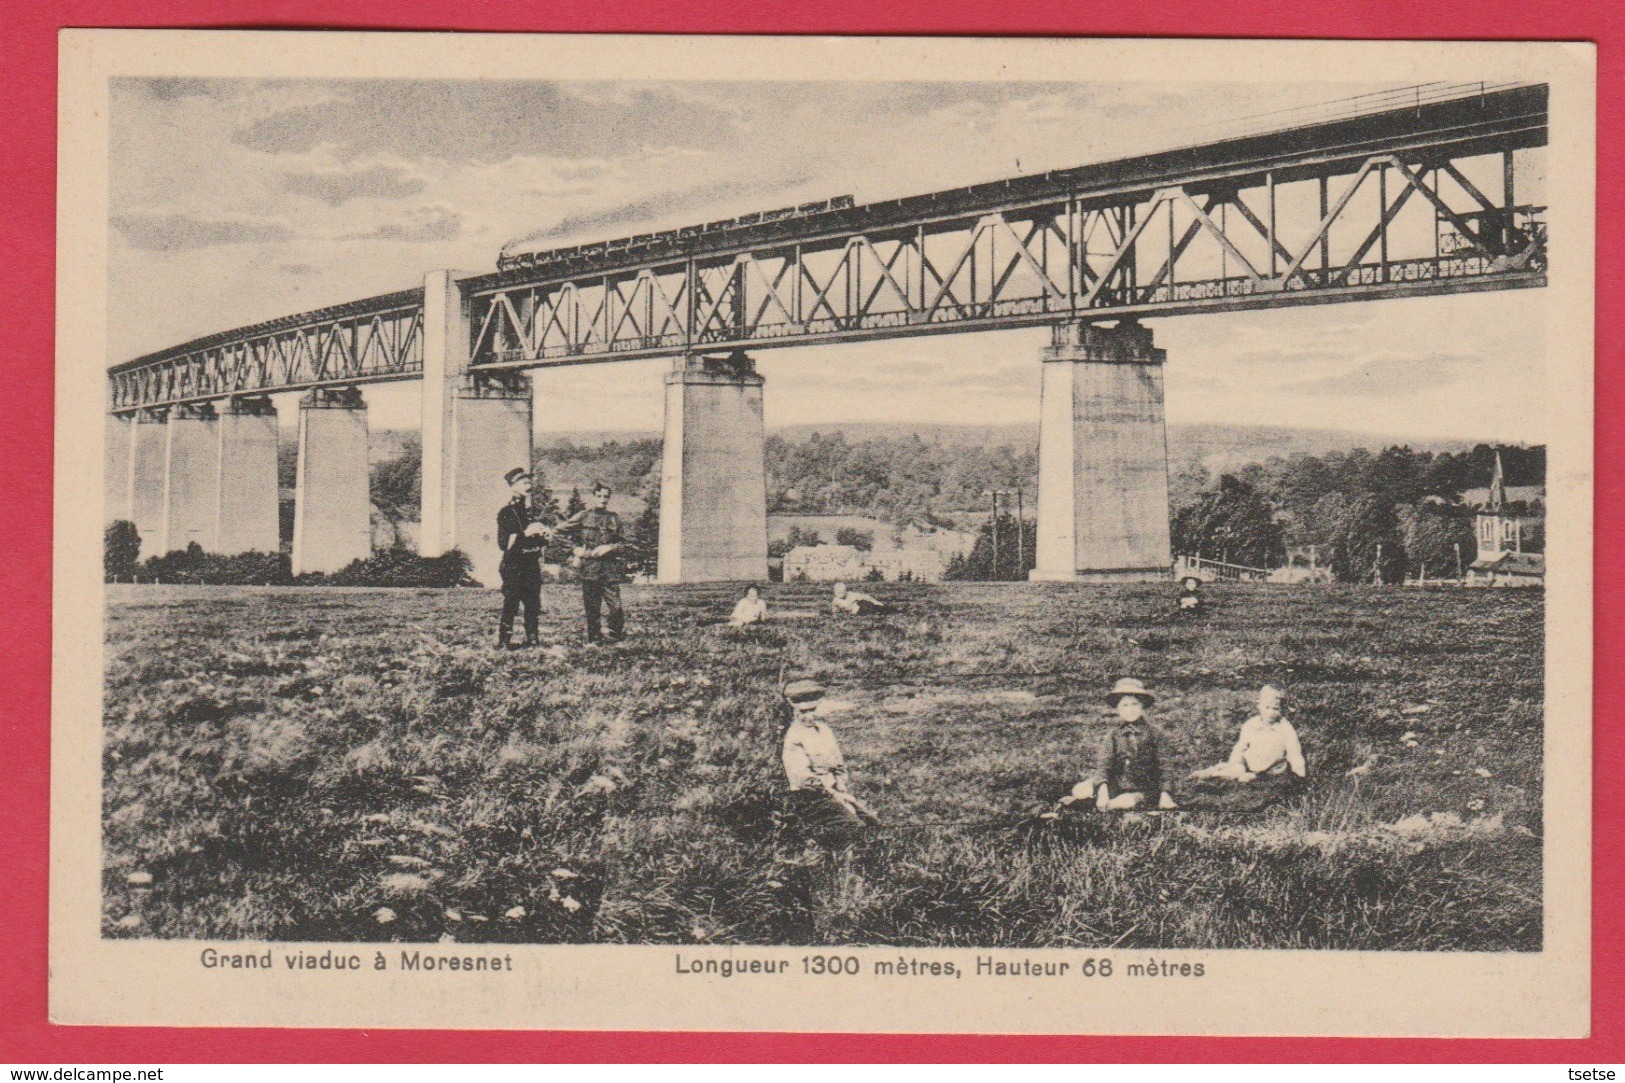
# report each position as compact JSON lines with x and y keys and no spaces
{"x":1322,"y":213}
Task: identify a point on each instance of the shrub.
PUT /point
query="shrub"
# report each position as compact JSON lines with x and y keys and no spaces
{"x":395,"y":567}
{"x":862,"y":540}
{"x":193,"y":565}
{"x":399,"y":566}
{"x":121,"y":549}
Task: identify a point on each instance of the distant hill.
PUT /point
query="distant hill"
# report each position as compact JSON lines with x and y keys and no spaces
{"x":879,"y":473}
{"x":1218,"y":447}
{"x":1225,"y":447}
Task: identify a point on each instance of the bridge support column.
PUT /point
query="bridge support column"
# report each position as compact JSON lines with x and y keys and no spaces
{"x":245,"y":519}
{"x":332,"y":518}
{"x":1102,"y":457}
{"x":148,"y":439}
{"x":191,"y":479}
{"x":490,"y":434}
{"x":116,"y":468}
{"x":475,"y":428}
{"x":713,"y":476}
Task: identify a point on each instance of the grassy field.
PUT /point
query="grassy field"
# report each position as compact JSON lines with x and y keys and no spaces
{"x":362,"y":765}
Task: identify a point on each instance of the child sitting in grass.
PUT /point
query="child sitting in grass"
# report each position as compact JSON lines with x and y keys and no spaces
{"x":1128,"y":762}
{"x":816,"y":771}
{"x":1268,"y":745}
{"x":750,"y":609}
{"x":1265,"y":765}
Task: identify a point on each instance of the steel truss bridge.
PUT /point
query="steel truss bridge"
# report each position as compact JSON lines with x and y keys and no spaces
{"x":1416,"y":197}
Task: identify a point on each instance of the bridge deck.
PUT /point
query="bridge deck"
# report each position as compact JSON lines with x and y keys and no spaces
{"x":1323,"y":212}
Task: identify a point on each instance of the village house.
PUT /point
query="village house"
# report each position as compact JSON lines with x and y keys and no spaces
{"x":824,"y":564}
{"x":831,"y":563}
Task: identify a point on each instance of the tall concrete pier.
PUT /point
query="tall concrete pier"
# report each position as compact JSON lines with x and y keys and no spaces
{"x":191,"y":479}
{"x":332,"y":522}
{"x":116,"y":468}
{"x":245,"y":512}
{"x":475,"y":429}
{"x":148,"y":454}
{"x":1102,"y":457}
{"x":713,"y":476}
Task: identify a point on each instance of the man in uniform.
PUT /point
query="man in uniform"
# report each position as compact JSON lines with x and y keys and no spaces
{"x":596,"y":534}
{"x":521,"y":539}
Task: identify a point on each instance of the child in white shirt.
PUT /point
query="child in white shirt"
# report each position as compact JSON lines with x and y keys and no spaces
{"x":750,"y":610}
{"x":1268,"y":745}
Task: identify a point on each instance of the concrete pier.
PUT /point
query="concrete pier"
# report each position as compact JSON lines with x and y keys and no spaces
{"x":1102,"y":457}
{"x":245,"y":512}
{"x":191,"y":479}
{"x":713,"y":478}
{"x":332,"y":521}
{"x":148,"y":451}
{"x":475,"y":428}
{"x":116,"y":468}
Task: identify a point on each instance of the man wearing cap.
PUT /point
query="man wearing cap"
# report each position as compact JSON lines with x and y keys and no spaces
{"x":521,"y":539}
{"x":816,"y":770}
{"x":596,"y":533}
{"x":1128,"y":763}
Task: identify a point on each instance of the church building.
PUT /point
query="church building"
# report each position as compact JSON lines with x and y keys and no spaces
{"x":1501,"y":561}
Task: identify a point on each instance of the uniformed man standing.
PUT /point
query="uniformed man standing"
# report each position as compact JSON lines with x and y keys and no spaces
{"x":596,"y":534}
{"x":521,"y":538}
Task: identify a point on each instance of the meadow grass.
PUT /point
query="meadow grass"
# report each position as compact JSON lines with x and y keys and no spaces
{"x":323,"y":764}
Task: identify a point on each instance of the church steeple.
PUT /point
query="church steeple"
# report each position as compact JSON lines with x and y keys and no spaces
{"x":1498,"y":532}
{"x":1498,"y":486}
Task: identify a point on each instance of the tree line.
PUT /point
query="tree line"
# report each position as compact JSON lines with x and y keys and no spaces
{"x":1380,"y":516}
{"x":1385,"y":515}
{"x":900,"y":479}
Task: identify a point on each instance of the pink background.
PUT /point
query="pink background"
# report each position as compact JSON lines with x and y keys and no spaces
{"x":27,"y":230}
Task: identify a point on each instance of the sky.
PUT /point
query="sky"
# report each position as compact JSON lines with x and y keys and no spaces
{"x":234,"y":201}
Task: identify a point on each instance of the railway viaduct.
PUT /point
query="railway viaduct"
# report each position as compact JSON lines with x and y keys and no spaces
{"x":1408,"y":193}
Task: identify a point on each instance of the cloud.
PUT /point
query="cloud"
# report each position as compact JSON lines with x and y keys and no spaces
{"x":965,"y":369}
{"x":169,"y":90}
{"x":421,"y":226}
{"x":1187,"y":381}
{"x":1390,"y":377}
{"x":964,"y":99}
{"x":338,"y":187}
{"x":482,"y":122}
{"x":247,"y":100}
{"x":555,"y":178}
{"x":175,"y":232}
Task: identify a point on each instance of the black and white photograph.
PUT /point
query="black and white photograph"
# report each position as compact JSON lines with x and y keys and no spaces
{"x":974,"y":527}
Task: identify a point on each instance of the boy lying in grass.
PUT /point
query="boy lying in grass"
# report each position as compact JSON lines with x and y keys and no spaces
{"x":856,"y":602}
{"x":1128,"y":762}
